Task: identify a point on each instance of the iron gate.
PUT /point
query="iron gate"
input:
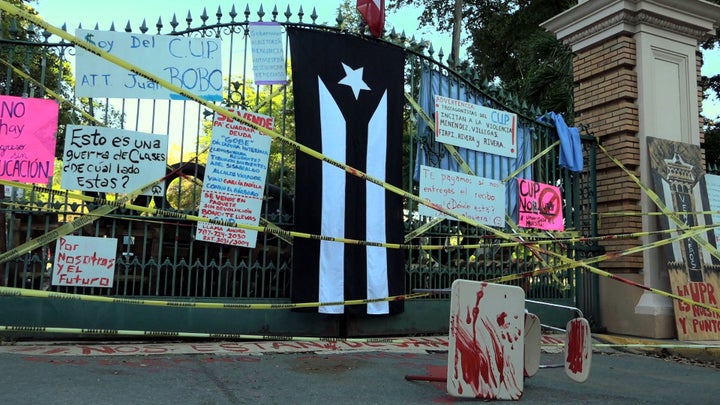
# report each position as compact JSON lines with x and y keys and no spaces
{"x":158,"y":256}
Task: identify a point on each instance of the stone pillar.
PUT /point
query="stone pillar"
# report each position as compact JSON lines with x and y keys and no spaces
{"x":636,"y":68}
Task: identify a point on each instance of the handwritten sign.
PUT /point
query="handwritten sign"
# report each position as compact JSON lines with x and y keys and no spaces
{"x":235,"y":179}
{"x":478,"y":198}
{"x":233,"y":209}
{"x":676,"y":173}
{"x":27,"y":138}
{"x":83,"y":261}
{"x":475,"y":127}
{"x":540,"y":206}
{"x":113,"y":160}
{"x":193,"y":64}
{"x":267,"y":53}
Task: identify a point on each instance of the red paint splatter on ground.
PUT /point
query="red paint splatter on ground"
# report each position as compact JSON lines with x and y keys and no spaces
{"x":576,"y":344}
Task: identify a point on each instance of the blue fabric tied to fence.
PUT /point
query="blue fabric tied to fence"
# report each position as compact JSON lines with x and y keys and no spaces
{"x":570,"y":147}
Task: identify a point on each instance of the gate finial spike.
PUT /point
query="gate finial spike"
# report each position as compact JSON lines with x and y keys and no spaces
{"x":188,"y":19}
{"x":218,"y":14}
{"x":247,"y":12}
{"x":159,"y":24}
{"x":314,"y":16}
{"x":301,"y":13}
{"x":288,"y":13}
{"x":274,"y":13}
{"x":233,"y":13}
{"x":174,"y":23}
{"x":112,"y":26}
{"x":143,"y":27}
{"x":261,"y":12}
{"x":204,"y":16}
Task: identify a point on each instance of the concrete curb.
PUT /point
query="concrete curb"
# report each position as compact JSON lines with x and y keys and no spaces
{"x":700,"y":351}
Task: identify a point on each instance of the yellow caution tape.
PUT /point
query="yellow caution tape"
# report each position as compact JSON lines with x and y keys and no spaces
{"x":14,"y":10}
{"x":67,"y":227}
{"x":23,"y":292}
{"x":274,"y":230}
{"x":663,"y":208}
{"x":152,"y":333}
{"x":585,"y":263}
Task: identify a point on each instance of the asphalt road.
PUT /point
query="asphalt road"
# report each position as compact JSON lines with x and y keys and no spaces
{"x":363,"y":377}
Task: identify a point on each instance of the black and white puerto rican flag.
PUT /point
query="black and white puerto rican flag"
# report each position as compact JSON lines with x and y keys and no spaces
{"x":348,"y":106}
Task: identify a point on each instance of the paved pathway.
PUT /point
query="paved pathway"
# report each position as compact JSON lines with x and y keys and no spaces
{"x":313,"y":373}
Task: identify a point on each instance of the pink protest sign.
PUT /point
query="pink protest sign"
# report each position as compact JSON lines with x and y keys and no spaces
{"x":27,"y":138}
{"x":540,"y":206}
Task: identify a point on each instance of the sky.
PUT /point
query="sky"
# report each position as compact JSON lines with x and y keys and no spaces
{"x":90,"y":12}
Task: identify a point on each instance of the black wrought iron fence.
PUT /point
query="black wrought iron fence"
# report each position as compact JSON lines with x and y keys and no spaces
{"x":158,"y":256}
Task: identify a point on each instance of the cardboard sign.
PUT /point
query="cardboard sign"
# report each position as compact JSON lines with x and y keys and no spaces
{"x":83,"y":261}
{"x":192,"y":64}
{"x":540,"y":206}
{"x":27,"y":138}
{"x":477,"y":198}
{"x":678,"y":178}
{"x":485,"y":345}
{"x":113,"y":160}
{"x":235,"y":179}
{"x":475,"y":127}
{"x":267,"y":53}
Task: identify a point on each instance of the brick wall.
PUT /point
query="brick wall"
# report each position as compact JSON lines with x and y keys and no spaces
{"x":605,"y":100}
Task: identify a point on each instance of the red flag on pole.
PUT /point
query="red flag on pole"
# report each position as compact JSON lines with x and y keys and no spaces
{"x":373,"y":11}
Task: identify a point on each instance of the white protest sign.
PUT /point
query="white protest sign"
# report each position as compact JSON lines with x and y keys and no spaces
{"x":113,"y":160}
{"x":193,"y":64}
{"x":235,"y":179}
{"x":267,"y":53}
{"x":475,"y":127}
{"x":478,"y":198}
{"x":712,"y":182}
{"x":235,"y":210}
{"x":84,"y":261}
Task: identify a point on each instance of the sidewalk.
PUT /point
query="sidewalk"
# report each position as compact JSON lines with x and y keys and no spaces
{"x":318,"y":372}
{"x":699,"y":351}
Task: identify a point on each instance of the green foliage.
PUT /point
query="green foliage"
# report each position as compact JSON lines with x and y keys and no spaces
{"x":350,"y":18}
{"x":507,"y":46}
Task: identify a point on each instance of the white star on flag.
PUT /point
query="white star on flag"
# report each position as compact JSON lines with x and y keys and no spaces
{"x":353,"y":78}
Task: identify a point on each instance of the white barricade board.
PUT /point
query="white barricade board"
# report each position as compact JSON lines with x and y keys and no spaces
{"x":578,"y":349}
{"x":533,"y":340}
{"x":486,"y":341}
